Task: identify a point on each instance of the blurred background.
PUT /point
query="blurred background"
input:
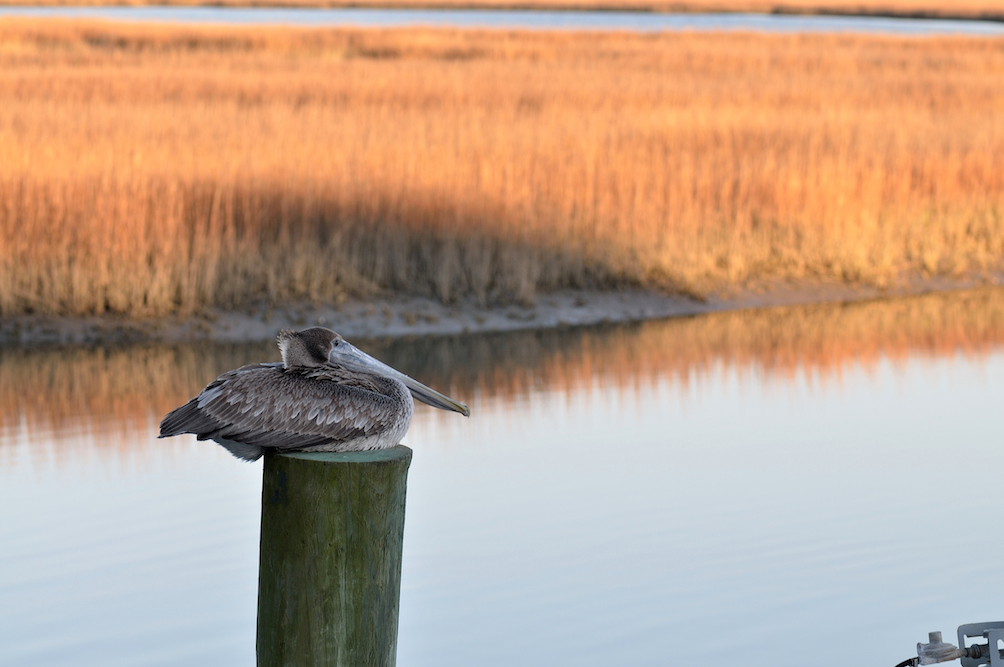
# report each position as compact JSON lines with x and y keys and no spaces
{"x":757,"y":485}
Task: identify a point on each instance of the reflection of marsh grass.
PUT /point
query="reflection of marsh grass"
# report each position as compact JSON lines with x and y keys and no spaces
{"x":917,"y":8}
{"x":125,"y":391}
{"x":146,"y":170}
{"x":110,"y":389}
{"x":818,"y":341}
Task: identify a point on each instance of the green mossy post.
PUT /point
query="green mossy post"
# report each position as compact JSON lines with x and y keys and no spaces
{"x":332,"y":527}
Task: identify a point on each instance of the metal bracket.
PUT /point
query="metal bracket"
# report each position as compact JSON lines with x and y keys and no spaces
{"x":993,"y":633}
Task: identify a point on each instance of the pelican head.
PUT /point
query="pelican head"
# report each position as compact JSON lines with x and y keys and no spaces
{"x":319,"y":347}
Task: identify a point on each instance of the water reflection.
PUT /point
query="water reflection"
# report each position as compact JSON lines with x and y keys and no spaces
{"x":769,"y":478}
{"x":517,"y":19}
{"x":117,"y":392}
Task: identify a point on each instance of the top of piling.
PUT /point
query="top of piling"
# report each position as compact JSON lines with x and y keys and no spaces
{"x":396,"y":453}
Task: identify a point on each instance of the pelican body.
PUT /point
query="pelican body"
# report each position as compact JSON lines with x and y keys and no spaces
{"x":325,"y":396}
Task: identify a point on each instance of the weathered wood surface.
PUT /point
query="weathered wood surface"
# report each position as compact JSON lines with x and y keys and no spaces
{"x":329,"y":585}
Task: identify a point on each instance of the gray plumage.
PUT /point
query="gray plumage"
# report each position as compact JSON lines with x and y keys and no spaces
{"x":326,"y":395}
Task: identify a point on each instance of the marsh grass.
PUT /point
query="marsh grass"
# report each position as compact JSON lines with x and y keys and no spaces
{"x":152,"y":170}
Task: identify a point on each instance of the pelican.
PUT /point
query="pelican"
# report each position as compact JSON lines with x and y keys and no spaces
{"x":325,"y":396}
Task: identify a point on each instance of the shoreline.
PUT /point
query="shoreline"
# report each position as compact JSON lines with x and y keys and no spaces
{"x":402,"y":317}
{"x":878,"y":10}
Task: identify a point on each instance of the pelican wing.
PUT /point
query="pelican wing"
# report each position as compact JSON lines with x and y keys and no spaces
{"x":266,"y":406}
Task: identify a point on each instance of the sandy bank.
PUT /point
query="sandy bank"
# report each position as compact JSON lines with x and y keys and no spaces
{"x":411,"y":316}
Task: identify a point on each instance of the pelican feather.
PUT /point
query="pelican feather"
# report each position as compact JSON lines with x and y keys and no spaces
{"x":325,"y":395}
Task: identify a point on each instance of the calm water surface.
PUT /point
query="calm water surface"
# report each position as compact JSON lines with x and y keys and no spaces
{"x":518,"y":19}
{"x":760,"y":488}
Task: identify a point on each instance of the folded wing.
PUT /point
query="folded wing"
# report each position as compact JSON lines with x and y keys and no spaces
{"x":265,"y":406}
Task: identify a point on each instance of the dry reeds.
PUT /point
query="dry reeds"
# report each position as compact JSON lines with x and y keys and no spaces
{"x":152,"y":170}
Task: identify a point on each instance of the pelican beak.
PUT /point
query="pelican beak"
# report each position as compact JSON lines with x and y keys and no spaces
{"x":349,"y":356}
{"x":430,"y":396}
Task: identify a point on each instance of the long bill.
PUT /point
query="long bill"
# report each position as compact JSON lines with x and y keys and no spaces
{"x":347,"y":355}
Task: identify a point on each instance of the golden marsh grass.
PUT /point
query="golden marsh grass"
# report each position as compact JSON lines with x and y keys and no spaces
{"x":147,"y":170}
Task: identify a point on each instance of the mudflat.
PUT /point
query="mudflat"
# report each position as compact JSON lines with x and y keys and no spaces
{"x":397,"y":316}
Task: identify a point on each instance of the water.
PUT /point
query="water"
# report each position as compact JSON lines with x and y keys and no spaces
{"x":767,"y":488}
{"x":518,"y":19}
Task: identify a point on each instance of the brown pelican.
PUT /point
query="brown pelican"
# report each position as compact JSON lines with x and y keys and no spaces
{"x":325,"y":396}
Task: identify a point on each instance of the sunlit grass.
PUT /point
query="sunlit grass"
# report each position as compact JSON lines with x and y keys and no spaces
{"x":153,"y":170}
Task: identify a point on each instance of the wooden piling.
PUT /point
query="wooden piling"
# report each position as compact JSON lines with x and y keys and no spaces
{"x":332,"y":526}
